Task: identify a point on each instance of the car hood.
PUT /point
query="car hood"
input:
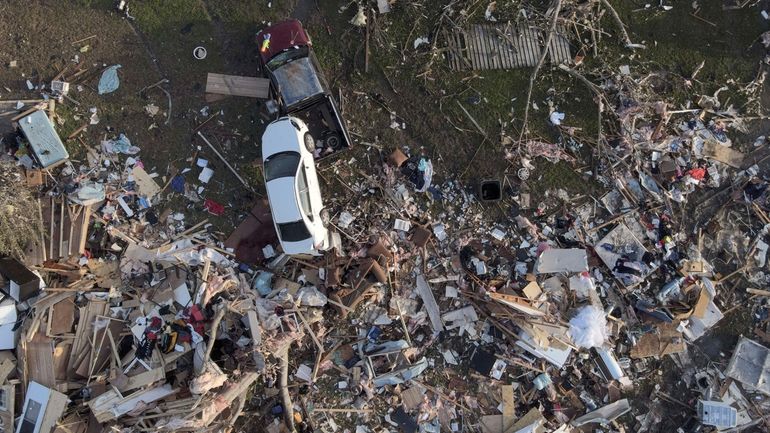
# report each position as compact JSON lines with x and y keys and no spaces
{"x":283,"y":201}
{"x":283,"y":35}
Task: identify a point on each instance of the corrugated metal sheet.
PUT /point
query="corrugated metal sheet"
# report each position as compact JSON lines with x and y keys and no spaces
{"x":503,"y":46}
{"x":717,"y":414}
{"x":47,"y":148}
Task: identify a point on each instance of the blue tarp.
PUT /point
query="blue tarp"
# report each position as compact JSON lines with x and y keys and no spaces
{"x":109,"y":81}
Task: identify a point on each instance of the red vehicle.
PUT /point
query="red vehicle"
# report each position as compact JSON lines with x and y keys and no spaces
{"x":287,"y":59}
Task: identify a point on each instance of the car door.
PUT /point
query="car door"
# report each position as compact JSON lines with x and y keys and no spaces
{"x":303,"y":195}
{"x":314,"y":189}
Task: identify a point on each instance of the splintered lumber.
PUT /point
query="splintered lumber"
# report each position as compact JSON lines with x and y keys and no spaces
{"x":144,"y":379}
{"x":253,"y":87}
{"x":112,"y":405}
{"x":225,"y":398}
{"x":81,"y":347}
{"x":6,"y":367}
{"x":517,"y":303}
{"x":429,"y":301}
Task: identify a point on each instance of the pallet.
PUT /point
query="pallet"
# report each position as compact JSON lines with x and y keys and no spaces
{"x":502,"y":46}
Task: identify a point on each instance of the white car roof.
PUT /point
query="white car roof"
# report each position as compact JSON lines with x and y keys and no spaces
{"x":283,"y":200}
{"x":281,"y":136}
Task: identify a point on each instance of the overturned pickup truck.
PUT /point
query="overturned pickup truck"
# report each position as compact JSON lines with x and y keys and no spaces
{"x":287,"y":59}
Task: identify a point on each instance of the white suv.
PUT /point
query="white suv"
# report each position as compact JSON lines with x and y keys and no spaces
{"x":292,"y":187}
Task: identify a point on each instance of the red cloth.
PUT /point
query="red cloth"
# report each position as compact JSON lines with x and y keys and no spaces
{"x":213,"y":207}
{"x":697,"y":173}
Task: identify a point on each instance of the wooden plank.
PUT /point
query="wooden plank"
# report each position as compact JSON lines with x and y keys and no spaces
{"x":513,"y":48}
{"x":461,"y":59}
{"x":487,"y":61}
{"x":450,"y":42}
{"x":61,"y":354}
{"x":519,"y":48}
{"x":144,"y":379}
{"x":479,"y":56}
{"x":253,"y":87}
{"x":6,"y":367}
{"x":111,"y":405}
{"x":482,"y":47}
{"x":526,"y":40}
{"x":496,"y":46}
{"x":101,"y":352}
{"x":462,"y":46}
{"x":471,"y":49}
{"x":529,"y":55}
{"x":505,"y":46}
{"x":489,"y":47}
{"x":509,"y":405}
{"x":81,"y":348}
{"x":40,"y":361}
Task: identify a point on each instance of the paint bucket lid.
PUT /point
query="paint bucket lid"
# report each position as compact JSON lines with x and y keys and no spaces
{"x":199,"y":53}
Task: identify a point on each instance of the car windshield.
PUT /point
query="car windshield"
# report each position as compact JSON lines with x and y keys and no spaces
{"x":280,"y":165}
{"x":293,"y":232}
{"x":297,"y":80}
{"x":286,"y":56}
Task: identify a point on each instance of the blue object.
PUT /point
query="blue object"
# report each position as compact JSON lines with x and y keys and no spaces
{"x":109,"y":81}
{"x":177,"y":183}
{"x":262,"y":283}
{"x":374,"y":334}
{"x":437,"y":195}
{"x":277,"y":409}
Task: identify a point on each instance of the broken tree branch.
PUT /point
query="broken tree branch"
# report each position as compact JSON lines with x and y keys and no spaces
{"x":226,"y":163}
{"x":551,"y":31}
{"x":288,"y":407}
{"x":622,"y":27}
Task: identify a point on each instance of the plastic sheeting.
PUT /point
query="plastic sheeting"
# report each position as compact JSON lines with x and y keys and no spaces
{"x":120,"y":145}
{"x":109,"y":81}
{"x":589,"y":328}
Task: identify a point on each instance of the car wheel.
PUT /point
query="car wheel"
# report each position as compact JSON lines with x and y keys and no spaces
{"x":309,"y":142}
{"x":333,"y":140}
{"x":324,"y":216}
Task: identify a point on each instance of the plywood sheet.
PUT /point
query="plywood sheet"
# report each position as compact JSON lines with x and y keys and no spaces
{"x":62,"y":317}
{"x":40,"y":365}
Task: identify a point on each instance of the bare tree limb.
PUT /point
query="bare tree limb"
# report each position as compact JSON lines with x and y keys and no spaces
{"x":622,"y":27}
{"x":551,"y":31}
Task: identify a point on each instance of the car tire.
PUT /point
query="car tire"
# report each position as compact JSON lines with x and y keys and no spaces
{"x":309,"y":142}
{"x":333,"y":140}
{"x":324,"y":214}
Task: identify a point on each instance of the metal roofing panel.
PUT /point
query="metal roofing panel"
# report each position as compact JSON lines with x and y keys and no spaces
{"x":717,"y":414}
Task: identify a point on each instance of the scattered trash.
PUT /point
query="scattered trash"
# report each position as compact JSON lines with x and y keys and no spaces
{"x":422,"y":40}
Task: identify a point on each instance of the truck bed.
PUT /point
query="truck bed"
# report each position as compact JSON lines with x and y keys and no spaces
{"x":324,"y":126}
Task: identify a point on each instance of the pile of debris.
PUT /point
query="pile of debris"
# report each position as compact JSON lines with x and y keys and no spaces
{"x":424,"y":316}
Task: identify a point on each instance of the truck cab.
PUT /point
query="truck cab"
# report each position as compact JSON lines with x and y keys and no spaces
{"x":287,"y":60}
